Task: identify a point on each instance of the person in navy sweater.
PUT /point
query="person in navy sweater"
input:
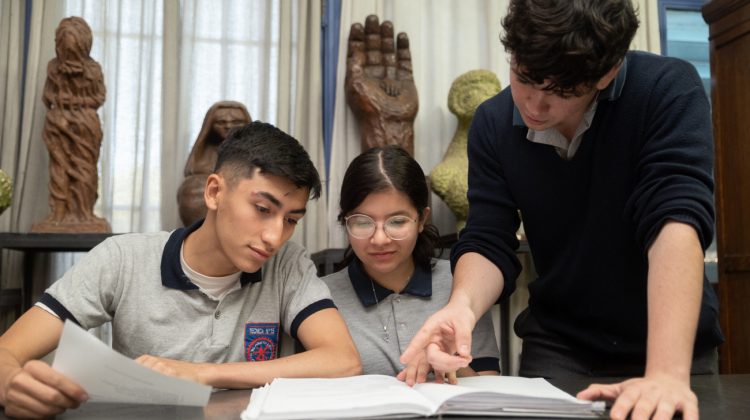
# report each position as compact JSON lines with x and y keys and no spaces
{"x":607,"y":155}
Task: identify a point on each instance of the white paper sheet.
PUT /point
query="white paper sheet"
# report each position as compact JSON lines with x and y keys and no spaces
{"x":108,"y":376}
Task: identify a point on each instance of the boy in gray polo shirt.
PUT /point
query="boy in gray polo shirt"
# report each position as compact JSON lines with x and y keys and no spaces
{"x":199,"y":302}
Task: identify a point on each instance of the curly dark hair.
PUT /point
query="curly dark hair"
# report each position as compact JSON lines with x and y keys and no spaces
{"x":568,"y":44}
{"x":381,"y":169}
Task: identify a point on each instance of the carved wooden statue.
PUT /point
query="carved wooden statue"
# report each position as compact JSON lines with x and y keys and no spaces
{"x":449,"y":178}
{"x":379,"y":85}
{"x":219,"y":120}
{"x":72,"y":132}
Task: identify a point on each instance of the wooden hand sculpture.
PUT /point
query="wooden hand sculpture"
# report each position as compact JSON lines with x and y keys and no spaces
{"x":379,"y":85}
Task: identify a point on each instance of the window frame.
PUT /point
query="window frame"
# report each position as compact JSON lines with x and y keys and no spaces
{"x":664,"y":5}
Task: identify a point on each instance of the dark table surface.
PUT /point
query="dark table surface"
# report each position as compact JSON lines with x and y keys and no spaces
{"x":51,"y":242}
{"x":720,"y":397}
{"x":31,"y":244}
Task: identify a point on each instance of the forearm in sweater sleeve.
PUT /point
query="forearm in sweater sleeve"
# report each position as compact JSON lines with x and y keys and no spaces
{"x":675,"y":169}
{"x":493,"y":216}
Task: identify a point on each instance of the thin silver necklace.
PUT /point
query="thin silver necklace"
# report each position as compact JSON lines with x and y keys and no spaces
{"x":386,"y":336}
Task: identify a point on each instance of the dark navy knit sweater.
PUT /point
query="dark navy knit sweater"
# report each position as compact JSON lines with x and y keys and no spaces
{"x":647,"y":158}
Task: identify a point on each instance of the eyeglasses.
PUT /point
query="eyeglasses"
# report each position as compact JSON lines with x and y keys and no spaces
{"x":362,"y":226}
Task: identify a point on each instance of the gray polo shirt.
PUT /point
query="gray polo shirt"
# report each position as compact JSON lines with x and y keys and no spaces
{"x":136,"y":282}
{"x":402,"y":315}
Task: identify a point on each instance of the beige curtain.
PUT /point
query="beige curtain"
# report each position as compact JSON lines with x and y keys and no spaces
{"x":24,"y":155}
{"x":647,"y":38}
{"x":214,"y":51}
{"x":11,"y":52}
{"x":11,"y":67}
{"x":173,"y":154}
{"x":300,"y":110}
{"x":264,"y":54}
{"x":30,"y":198}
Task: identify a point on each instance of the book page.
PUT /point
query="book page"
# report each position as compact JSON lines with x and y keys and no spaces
{"x":515,"y":385}
{"x":508,"y":385}
{"x":506,"y":395}
{"x":367,"y":396}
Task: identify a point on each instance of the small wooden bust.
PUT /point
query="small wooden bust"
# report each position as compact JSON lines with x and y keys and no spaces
{"x":220,"y":119}
{"x":379,"y":85}
{"x":450,"y":178}
{"x":73,"y":91}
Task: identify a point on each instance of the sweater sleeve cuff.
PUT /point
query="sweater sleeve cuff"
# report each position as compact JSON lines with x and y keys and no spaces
{"x":485,"y":363}
{"x":685,"y":218}
{"x":509,"y":266}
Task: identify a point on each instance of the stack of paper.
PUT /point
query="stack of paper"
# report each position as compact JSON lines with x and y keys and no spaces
{"x":384,"y":396}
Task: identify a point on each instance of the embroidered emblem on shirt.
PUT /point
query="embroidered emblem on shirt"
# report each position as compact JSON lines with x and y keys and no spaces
{"x":261,"y":341}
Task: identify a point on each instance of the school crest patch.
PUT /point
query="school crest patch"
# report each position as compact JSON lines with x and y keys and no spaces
{"x":261,"y":341}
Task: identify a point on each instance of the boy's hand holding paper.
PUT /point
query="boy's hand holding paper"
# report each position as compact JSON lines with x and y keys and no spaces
{"x":108,"y":376}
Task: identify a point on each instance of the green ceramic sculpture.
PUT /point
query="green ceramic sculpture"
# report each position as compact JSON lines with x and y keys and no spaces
{"x":6,"y":191}
{"x":449,"y":178}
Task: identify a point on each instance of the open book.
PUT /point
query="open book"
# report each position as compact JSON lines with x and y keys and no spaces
{"x":385,"y":396}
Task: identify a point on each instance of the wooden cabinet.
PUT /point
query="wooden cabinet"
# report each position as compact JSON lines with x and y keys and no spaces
{"x":729,"y":36}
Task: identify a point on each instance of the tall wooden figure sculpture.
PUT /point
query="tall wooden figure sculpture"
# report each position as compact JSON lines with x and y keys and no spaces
{"x":379,"y":85}
{"x":219,"y":120}
{"x":72,"y":132}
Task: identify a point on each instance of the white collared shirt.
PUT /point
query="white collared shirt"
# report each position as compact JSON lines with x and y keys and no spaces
{"x":551,"y":136}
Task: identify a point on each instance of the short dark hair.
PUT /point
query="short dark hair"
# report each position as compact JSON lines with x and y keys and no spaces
{"x":381,"y":169}
{"x":570,"y":43}
{"x":263,"y":146}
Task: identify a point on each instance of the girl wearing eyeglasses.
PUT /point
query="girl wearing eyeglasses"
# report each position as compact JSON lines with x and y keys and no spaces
{"x":390,"y":282}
